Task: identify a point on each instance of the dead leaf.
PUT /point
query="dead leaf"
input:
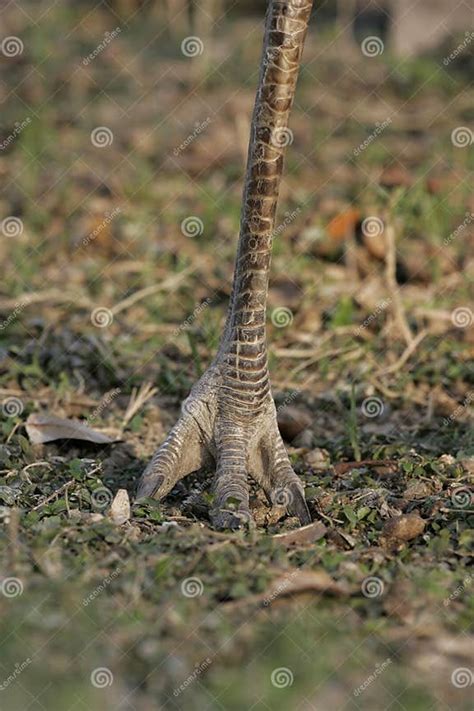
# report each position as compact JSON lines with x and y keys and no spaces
{"x":42,"y":427}
{"x":381,"y":466}
{"x":120,"y":507}
{"x":303,"y":536}
{"x":292,"y":421}
{"x":402,"y":528}
{"x":296,"y":582}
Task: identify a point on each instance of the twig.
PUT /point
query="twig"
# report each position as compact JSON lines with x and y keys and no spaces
{"x":409,"y":350}
{"x":390,"y":273}
{"x":55,"y":493}
{"x":167,"y":285}
{"x":138,"y":398}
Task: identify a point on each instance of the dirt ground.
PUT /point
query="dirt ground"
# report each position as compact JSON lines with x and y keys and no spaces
{"x":122,"y":155}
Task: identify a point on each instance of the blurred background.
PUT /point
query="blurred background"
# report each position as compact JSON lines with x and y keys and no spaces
{"x":124,"y":131}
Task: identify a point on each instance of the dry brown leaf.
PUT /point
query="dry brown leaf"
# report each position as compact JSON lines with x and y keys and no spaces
{"x":302,"y":536}
{"x":297,"y":582}
{"x":402,"y":528}
{"x":42,"y":427}
{"x":120,"y":507}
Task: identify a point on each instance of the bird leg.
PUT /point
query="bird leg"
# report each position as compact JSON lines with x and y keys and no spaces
{"x":229,"y":418}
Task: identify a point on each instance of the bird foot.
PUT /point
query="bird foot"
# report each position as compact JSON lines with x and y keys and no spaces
{"x":249,"y":445}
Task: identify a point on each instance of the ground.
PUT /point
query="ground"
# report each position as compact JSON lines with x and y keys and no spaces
{"x":123,"y":175}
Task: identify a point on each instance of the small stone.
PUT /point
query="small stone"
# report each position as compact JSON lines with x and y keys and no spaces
{"x":318,"y":459}
{"x":120,"y":507}
{"x":403,"y":528}
{"x":292,"y":421}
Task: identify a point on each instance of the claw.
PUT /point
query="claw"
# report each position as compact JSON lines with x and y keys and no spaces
{"x":148,"y":486}
{"x":298,"y":506}
{"x":233,"y":520}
